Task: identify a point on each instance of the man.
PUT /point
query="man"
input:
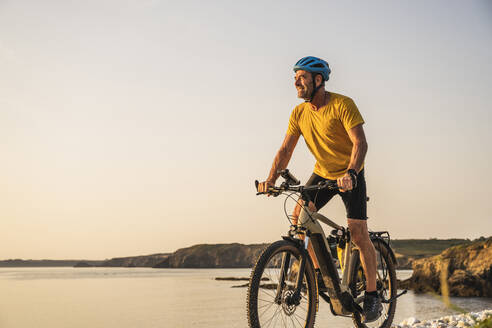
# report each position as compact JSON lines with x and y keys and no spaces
{"x":332,"y":129}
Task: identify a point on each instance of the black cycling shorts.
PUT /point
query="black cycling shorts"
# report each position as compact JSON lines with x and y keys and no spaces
{"x":355,"y":200}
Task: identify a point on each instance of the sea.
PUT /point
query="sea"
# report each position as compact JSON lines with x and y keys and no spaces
{"x":144,"y":297}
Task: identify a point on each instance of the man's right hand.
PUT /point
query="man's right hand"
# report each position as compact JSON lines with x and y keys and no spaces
{"x":263,"y":186}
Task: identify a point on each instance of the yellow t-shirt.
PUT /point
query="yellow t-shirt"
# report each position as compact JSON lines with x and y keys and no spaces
{"x":325,"y":133}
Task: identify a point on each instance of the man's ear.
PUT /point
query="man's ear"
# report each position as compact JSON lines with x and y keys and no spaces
{"x":318,"y":80}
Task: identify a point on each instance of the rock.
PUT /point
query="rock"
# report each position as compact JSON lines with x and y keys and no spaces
{"x":214,"y":256}
{"x":231,"y":278}
{"x":469,"y":271}
{"x":241,"y":286}
{"x":136,"y":261}
{"x":411,"y":321}
{"x":483,"y":316}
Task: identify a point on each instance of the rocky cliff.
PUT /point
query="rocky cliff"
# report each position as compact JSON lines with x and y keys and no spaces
{"x":214,"y":256}
{"x":468,"y":269}
{"x":404,"y":262}
{"x":136,"y":261}
{"x":234,"y":256}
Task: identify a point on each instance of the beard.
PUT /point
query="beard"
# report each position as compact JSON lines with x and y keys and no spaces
{"x":304,"y":93}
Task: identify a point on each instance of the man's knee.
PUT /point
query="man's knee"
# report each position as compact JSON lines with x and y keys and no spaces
{"x":297,"y":211}
{"x":358,"y":231}
{"x":312,"y":208}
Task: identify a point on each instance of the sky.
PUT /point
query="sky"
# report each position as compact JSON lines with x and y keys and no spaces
{"x":139,"y":127}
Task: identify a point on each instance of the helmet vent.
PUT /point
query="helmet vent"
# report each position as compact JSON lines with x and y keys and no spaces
{"x":313,"y":65}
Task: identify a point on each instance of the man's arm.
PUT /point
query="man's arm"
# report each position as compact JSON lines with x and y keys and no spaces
{"x":359,"y":150}
{"x":280,"y":162}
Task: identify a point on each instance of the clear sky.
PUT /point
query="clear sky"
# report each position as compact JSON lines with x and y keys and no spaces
{"x":138,"y":127}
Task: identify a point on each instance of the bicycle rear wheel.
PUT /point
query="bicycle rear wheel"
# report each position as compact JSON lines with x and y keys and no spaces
{"x":386,"y":286}
{"x":267,"y":309}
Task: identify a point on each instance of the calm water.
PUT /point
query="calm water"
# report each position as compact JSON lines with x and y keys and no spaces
{"x":141,"y":297}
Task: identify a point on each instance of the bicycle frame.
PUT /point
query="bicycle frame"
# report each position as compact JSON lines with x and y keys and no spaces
{"x":338,"y":290}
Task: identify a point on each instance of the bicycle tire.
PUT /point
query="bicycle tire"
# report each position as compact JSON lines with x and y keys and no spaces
{"x":261,"y":298}
{"x":386,"y":284}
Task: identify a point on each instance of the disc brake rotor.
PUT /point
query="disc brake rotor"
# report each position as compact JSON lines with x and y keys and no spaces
{"x":287,"y":303}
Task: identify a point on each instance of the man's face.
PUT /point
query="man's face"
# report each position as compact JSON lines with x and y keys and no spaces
{"x":304,"y":84}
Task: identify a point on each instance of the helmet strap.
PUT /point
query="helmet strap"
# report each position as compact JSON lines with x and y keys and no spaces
{"x":315,"y":88}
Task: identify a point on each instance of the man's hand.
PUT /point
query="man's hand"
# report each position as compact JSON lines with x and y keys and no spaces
{"x":345,"y":183}
{"x":263,"y":186}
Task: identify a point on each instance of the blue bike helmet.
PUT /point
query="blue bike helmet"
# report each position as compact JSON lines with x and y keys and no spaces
{"x":313,"y":65}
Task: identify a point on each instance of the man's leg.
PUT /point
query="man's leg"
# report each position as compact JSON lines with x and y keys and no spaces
{"x":360,"y":236}
{"x":356,"y":205}
{"x":295,"y":218}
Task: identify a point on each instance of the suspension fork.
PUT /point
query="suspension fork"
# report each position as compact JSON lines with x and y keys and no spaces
{"x":295,"y":299}
{"x":286,"y":257}
{"x":302,"y":268}
{"x":283,"y":273}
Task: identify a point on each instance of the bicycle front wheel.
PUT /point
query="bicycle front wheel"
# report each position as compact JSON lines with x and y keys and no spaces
{"x":269,"y":305}
{"x":385,"y":283}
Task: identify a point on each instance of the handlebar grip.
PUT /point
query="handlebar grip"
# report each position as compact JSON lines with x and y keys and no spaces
{"x":257,"y":183}
{"x":329,"y":184}
{"x":333,"y":185}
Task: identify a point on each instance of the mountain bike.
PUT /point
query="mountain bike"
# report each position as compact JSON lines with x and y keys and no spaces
{"x":284,"y":287}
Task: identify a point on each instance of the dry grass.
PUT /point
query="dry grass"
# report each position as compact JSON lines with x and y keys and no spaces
{"x":445,"y":288}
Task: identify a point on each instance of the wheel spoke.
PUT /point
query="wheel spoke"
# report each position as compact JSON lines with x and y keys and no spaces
{"x":301,"y":308}
{"x":266,"y":305}
{"x":273,"y":316}
{"x":292,"y":320}
{"x":282,"y":317}
{"x":266,"y":310}
{"x":268,"y":292}
{"x":298,"y":316}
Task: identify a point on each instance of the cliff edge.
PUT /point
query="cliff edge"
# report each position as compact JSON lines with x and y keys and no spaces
{"x":214,"y":256}
{"x":468,"y":268}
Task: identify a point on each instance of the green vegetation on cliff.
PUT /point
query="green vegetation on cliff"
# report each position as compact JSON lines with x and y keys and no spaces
{"x":424,"y":247}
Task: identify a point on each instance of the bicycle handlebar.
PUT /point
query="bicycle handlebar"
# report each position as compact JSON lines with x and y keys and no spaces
{"x":285,"y":186}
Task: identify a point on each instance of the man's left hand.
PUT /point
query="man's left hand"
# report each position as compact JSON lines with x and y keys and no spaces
{"x":345,"y":183}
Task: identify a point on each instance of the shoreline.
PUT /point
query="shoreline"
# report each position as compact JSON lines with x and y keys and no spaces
{"x":469,"y":319}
